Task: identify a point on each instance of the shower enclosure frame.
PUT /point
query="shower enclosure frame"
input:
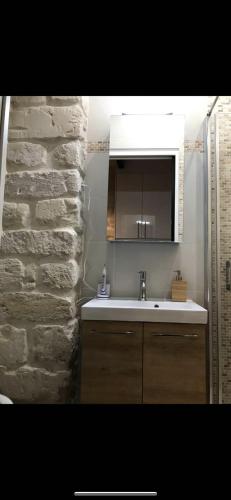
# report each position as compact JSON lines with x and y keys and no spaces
{"x":208,"y":251}
{"x":4,"y":124}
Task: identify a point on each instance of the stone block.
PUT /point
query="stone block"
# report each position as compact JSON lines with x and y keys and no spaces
{"x":60,"y":100}
{"x":36,"y":307}
{"x":48,"y":122}
{"x":48,"y":242}
{"x":26,"y":155}
{"x":85,"y":104}
{"x":15,"y":215}
{"x":63,"y":99}
{"x":11,"y":274}
{"x":50,"y":184}
{"x":60,"y":212}
{"x":28,"y":100}
{"x":51,"y":346}
{"x":13,"y":346}
{"x":62,"y":275}
{"x":29,"y":281}
{"x":71,"y":155}
{"x":34,"y":385}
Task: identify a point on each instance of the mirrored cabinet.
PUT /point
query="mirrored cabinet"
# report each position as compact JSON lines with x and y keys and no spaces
{"x":146,"y":178}
{"x":141,"y":198}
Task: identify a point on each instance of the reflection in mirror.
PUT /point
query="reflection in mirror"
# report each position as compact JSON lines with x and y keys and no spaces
{"x":141,"y":199}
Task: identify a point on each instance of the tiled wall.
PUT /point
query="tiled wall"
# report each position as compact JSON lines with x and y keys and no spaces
{"x":103,"y":146}
{"x":97,"y":147}
{"x":221,"y":241}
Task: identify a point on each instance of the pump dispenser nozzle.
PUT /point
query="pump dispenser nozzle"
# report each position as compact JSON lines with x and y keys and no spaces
{"x":178,"y":275}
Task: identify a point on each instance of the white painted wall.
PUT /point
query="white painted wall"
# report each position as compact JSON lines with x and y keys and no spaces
{"x":124,"y":260}
{"x":146,"y":132}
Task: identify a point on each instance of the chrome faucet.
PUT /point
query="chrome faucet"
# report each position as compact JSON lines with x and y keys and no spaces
{"x":142,"y":293}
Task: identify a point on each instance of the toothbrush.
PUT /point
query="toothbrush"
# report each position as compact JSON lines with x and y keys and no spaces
{"x":104,"y":274}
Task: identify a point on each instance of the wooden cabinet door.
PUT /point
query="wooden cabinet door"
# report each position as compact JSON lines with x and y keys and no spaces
{"x":174,"y":367}
{"x":111,"y":366}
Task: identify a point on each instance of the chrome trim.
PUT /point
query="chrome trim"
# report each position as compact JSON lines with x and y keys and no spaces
{"x":134,"y":240}
{"x":138,"y":229}
{"x":142,"y":290}
{"x":4,"y":123}
{"x":218,"y":252}
{"x":190,"y":335}
{"x":116,"y":493}
{"x":208,"y":251}
{"x":128,"y":332}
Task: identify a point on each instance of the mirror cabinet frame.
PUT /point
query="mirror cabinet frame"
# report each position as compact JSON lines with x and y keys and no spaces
{"x":178,"y":154}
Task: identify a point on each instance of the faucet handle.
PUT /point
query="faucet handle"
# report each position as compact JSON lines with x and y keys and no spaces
{"x":142,"y":274}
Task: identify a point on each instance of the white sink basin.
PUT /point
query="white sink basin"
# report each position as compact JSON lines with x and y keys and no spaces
{"x":166,"y":311}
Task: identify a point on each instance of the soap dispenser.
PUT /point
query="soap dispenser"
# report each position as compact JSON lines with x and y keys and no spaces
{"x":103,"y":289}
{"x":179,"y":288}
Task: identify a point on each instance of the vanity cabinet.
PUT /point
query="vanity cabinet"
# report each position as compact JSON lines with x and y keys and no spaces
{"x":174,"y":368}
{"x":150,"y":363}
{"x":111,"y":365}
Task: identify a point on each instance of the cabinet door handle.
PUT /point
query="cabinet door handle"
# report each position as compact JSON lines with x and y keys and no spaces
{"x":190,"y":335}
{"x":128,"y":332}
{"x":138,"y":229}
{"x":228,"y":277}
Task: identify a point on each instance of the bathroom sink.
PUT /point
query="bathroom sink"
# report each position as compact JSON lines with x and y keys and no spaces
{"x":153,"y":310}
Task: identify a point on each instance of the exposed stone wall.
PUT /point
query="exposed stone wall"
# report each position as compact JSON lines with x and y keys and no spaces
{"x":41,"y":245}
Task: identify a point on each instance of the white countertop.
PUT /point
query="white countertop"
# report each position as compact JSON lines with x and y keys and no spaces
{"x":168,"y":311}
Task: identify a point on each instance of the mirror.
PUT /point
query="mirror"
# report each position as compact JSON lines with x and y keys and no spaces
{"x":143,"y":198}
